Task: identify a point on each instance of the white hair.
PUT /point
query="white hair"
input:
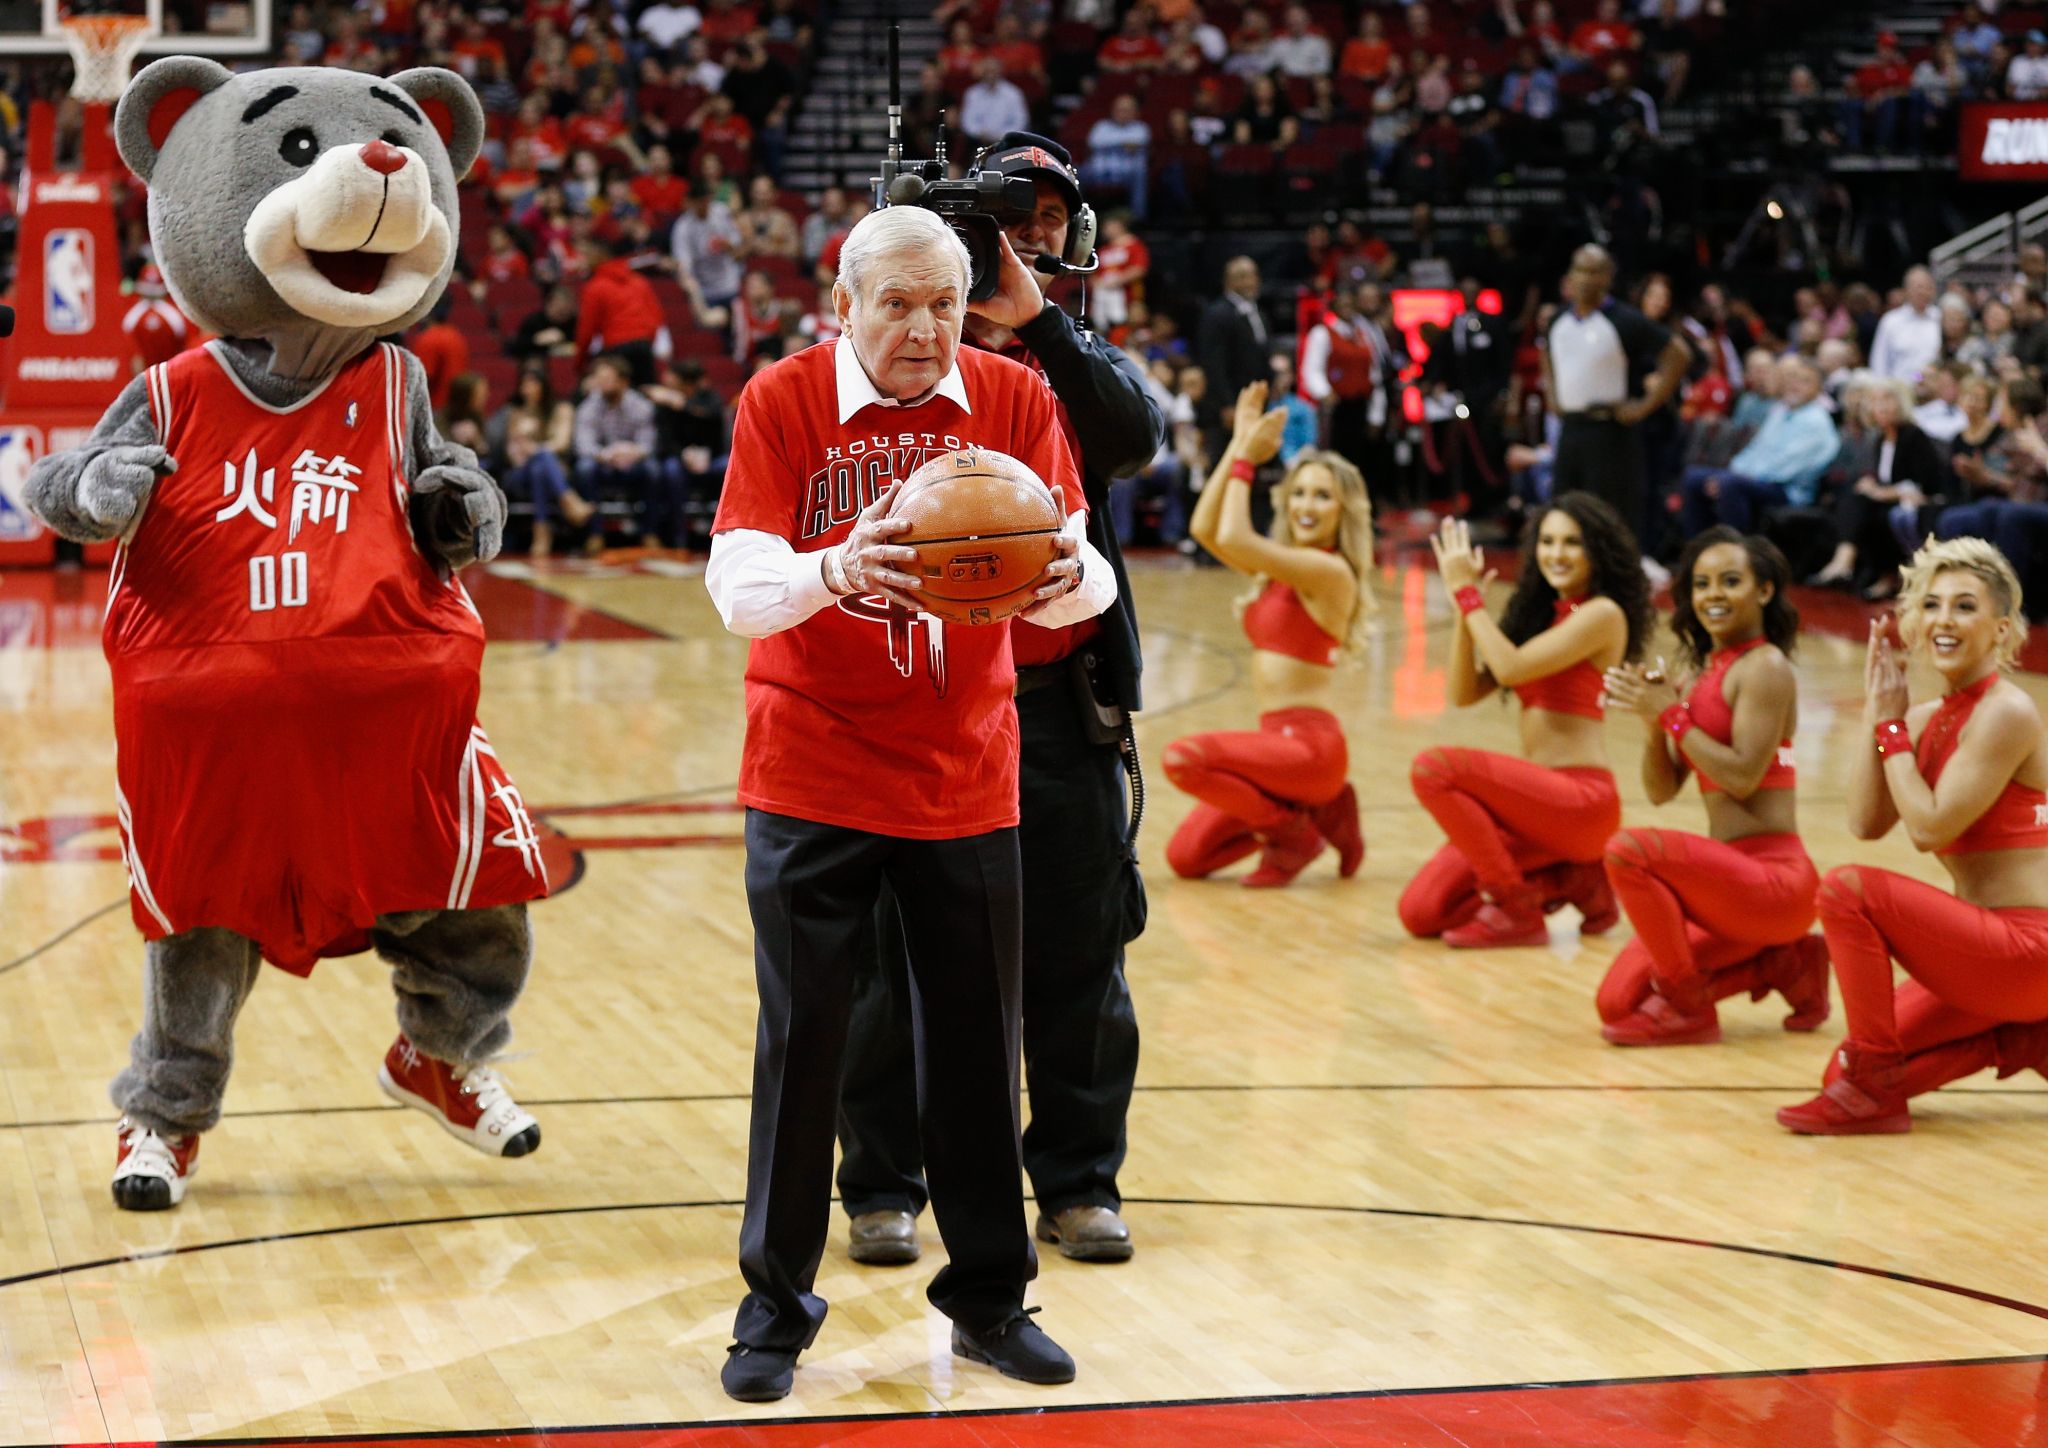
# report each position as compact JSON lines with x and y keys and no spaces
{"x":897,"y":229}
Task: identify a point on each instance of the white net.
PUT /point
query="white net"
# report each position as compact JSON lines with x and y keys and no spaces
{"x":103,"y":48}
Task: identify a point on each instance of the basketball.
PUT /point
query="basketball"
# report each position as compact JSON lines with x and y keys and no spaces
{"x":983,"y":525}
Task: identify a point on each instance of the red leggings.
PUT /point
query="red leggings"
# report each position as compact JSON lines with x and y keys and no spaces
{"x":1504,"y":816}
{"x":1251,"y":783}
{"x":1701,"y":908}
{"x":1972,"y":968}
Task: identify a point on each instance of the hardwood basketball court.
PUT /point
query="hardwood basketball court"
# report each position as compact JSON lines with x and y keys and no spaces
{"x":1383,"y":1192}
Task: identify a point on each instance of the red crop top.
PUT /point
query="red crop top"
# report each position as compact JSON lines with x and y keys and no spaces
{"x":1709,"y":709}
{"x":2017,"y":819}
{"x":1278,"y":623}
{"x":1579,"y":689}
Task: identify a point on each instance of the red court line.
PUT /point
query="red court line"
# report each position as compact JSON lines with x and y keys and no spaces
{"x":1998,"y":1404}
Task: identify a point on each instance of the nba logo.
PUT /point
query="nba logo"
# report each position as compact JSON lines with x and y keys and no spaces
{"x":351,"y":418}
{"x":19,"y":448}
{"x":67,"y":282}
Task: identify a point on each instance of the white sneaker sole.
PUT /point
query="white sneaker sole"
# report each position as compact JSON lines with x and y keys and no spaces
{"x":465,"y":1135}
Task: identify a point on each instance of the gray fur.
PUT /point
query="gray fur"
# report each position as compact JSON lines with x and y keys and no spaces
{"x":90,"y":493}
{"x":457,"y":974}
{"x":196,"y":223}
{"x":193,"y":987}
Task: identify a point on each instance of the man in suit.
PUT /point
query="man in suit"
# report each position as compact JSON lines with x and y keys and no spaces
{"x":1234,"y":342}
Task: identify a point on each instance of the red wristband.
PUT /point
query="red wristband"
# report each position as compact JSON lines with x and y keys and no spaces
{"x":1676,"y":720}
{"x":1242,"y":470}
{"x":1893,"y":738}
{"x":1469,"y":599}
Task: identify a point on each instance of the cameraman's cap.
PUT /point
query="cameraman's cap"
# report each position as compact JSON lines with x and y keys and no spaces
{"x":1021,"y":153}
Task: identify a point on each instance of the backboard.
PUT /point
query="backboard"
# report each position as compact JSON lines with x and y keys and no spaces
{"x":182,"y":27}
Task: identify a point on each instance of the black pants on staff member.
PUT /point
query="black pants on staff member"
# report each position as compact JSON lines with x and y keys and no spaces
{"x":811,"y":889}
{"x":1082,"y":902}
{"x":1597,"y":455}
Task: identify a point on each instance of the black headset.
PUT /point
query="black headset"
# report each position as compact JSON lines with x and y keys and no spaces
{"x":1082,"y":228}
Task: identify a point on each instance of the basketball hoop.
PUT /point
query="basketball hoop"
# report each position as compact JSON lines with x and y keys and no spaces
{"x":103,"y":48}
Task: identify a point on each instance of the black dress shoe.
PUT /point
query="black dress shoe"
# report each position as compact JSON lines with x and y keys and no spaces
{"x":1017,"y":1349}
{"x":758,"y":1374}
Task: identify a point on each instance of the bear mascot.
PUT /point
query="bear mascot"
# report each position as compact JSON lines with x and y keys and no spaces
{"x":299,"y":773}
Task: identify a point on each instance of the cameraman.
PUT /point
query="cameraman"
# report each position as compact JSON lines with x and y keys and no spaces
{"x":1083,"y":899}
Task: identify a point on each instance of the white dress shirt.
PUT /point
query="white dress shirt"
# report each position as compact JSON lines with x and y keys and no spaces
{"x":1907,"y":342}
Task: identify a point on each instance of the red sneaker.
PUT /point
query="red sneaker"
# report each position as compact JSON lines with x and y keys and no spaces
{"x":474,"y":1106}
{"x":1865,"y":1100}
{"x":1288,"y":852}
{"x":1659,"y":1021}
{"x":1337,"y":822}
{"x":1500,"y":924}
{"x":1799,"y":973}
{"x":151,"y":1169}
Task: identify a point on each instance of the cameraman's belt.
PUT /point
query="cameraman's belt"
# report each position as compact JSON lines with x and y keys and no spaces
{"x":1032,"y":677}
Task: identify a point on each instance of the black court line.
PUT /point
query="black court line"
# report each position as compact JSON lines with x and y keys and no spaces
{"x":1410,"y":1214}
{"x":1141,"y":1404}
{"x":61,"y":936}
{"x":1219,"y":1088}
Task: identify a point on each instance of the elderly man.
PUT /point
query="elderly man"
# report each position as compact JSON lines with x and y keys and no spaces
{"x":1779,"y":466}
{"x":882,"y":745}
{"x":1908,"y":339}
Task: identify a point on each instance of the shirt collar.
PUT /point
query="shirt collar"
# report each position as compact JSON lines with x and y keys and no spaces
{"x":856,"y":391}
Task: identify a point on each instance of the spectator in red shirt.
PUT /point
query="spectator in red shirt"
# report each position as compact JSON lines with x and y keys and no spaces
{"x":619,"y":312}
{"x":547,"y":147}
{"x":1022,"y":60}
{"x":1133,"y":50}
{"x":474,"y":48}
{"x":959,"y":57}
{"x":504,"y":261}
{"x":1366,"y":55}
{"x":1882,"y":100}
{"x":443,"y":351}
{"x":718,"y":124}
{"x":725,"y":22}
{"x":1606,"y":33}
{"x":516,"y":184}
{"x":594,"y":127}
{"x":660,"y":192}
{"x":156,"y":329}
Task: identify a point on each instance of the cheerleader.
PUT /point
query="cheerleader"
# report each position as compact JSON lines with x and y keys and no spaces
{"x":1731,"y":910}
{"x":1967,"y":775}
{"x":1526,"y":834}
{"x":1281,"y":788}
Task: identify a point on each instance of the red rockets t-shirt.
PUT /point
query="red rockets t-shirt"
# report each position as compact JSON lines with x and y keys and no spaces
{"x":865,"y":716}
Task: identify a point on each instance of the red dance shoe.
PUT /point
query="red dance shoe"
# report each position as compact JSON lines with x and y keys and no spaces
{"x":473,"y":1106}
{"x":1865,"y":1100}
{"x":1287,"y":853}
{"x":1660,"y":1021}
{"x":1337,"y":822}
{"x":1799,"y":973}
{"x":1502,"y":923}
{"x":151,"y":1169}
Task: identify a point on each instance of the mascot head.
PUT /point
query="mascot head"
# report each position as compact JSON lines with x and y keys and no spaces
{"x":314,"y":208}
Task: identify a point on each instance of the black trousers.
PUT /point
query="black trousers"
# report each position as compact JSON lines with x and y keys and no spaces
{"x":1606,"y":460}
{"x":811,"y":889}
{"x":1082,"y":902}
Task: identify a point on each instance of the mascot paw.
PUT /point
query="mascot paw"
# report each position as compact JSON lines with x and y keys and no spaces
{"x":464,"y":520}
{"x":115,"y":485}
